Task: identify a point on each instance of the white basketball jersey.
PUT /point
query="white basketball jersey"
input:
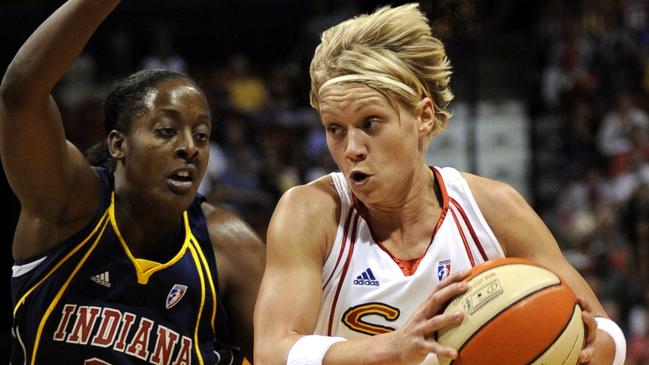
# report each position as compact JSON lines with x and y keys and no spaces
{"x":365,"y":289}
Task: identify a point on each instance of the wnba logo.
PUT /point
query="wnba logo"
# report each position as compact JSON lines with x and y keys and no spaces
{"x":175,"y":295}
{"x":443,"y":269}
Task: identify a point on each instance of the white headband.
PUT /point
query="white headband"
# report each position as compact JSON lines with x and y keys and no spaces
{"x":359,"y":77}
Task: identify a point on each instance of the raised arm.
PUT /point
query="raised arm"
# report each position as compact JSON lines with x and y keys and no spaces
{"x":522,"y":233}
{"x":49,"y":175}
{"x":240,"y":258}
{"x":303,"y":224}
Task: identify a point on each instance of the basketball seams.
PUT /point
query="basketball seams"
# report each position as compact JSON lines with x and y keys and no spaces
{"x":495,"y":316}
{"x":563,"y":330}
{"x":552,"y":334}
{"x":498,"y":263}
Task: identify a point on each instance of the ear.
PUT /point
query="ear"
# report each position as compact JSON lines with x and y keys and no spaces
{"x":116,"y":144}
{"x":426,"y":116}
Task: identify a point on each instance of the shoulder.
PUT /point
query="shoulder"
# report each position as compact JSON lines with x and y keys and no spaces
{"x":306,"y":216}
{"x":505,"y":209}
{"x":313,"y":198}
{"x":225,"y":227}
{"x":493,"y":193}
{"x":238,"y":249}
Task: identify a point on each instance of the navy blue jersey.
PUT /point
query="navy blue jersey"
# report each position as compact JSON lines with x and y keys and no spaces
{"x":89,"y":301}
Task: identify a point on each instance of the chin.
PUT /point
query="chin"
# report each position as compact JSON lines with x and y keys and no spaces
{"x":176,"y":204}
{"x":365,"y":195}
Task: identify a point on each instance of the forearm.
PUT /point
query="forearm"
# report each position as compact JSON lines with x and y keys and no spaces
{"x":52,"y":48}
{"x":366,"y":351}
{"x":325,"y":350}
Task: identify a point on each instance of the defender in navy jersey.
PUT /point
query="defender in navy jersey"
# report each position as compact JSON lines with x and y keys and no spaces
{"x":116,"y":256}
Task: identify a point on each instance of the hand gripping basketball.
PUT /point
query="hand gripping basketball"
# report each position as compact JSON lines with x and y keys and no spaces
{"x":415,"y":340}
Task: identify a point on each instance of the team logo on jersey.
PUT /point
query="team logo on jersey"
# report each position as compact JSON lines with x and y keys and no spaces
{"x":102,"y":279}
{"x":366,"y":278}
{"x":443,"y":269}
{"x":175,"y":295}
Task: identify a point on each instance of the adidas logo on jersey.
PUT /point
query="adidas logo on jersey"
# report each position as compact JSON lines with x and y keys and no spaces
{"x":366,"y":278}
{"x":101,"y":279}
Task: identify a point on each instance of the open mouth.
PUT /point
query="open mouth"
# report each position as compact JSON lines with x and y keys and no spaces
{"x":180,"y":182}
{"x":358,"y":177}
{"x":182,"y":176}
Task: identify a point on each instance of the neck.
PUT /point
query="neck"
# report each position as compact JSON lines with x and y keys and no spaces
{"x":146,"y":234}
{"x":407,"y":224}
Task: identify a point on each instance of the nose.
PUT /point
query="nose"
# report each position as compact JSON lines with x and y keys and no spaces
{"x":186,"y":147}
{"x":356,"y":149}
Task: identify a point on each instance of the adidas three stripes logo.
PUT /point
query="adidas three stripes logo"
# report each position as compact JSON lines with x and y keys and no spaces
{"x":366,"y":278}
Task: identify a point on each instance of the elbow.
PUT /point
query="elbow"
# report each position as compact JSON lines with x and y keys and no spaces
{"x":14,"y":90}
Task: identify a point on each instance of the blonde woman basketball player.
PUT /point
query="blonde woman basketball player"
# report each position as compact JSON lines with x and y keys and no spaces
{"x":361,"y":262}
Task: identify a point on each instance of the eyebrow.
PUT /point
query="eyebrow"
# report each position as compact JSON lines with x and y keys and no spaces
{"x":177,"y":115}
{"x":368,"y":103}
{"x":171,"y":112}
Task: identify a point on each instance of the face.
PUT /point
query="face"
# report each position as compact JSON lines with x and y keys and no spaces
{"x":165,"y":156}
{"x":377,"y":144}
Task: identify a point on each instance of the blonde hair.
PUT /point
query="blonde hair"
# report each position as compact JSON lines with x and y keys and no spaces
{"x":396,"y":43}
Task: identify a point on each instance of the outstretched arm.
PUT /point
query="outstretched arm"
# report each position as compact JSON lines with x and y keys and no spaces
{"x":303,"y":224}
{"x":54,"y":183}
{"x":522,"y":233}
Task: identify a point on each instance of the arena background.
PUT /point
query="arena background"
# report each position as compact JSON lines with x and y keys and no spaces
{"x":551,"y":97}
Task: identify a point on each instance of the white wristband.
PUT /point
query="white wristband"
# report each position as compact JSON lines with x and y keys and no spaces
{"x":616,"y":334}
{"x":310,"y":350}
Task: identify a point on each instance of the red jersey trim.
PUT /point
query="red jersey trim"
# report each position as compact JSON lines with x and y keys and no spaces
{"x":474,"y":236}
{"x":343,"y":245}
{"x":344,"y":273}
{"x":464,"y":240}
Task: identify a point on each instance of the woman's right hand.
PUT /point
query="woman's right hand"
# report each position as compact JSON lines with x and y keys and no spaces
{"x":415,"y":340}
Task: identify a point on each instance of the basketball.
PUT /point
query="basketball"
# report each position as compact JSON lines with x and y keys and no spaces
{"x":515,"y":312}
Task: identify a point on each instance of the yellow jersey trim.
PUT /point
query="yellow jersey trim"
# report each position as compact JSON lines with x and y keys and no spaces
{"x":194,"y":241}
{"x":59,"y":294}
{"x":147,"y":265}
{"x":61,"y":262}
{"x":200,"y":308}
{"x":145,"y":271}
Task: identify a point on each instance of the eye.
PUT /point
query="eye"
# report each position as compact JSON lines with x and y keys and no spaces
{"x":334,"y":129}
{"x":201,"y":136}
{"x":166,"y":132}
{"x":370,"y":123}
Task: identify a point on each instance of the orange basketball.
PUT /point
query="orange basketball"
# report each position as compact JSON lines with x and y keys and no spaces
{"x":515,"y":312}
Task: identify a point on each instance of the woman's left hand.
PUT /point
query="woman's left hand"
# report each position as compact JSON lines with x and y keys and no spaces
{"x":590,"y":327}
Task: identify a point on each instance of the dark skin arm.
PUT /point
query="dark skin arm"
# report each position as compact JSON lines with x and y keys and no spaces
{"x":240,"y":260}
{"x":529,"y":238}
{"x":56,"y":187}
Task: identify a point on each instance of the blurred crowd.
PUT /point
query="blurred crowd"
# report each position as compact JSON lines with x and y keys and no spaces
{"x":594,"y":87}
{"x":593,"y":91}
